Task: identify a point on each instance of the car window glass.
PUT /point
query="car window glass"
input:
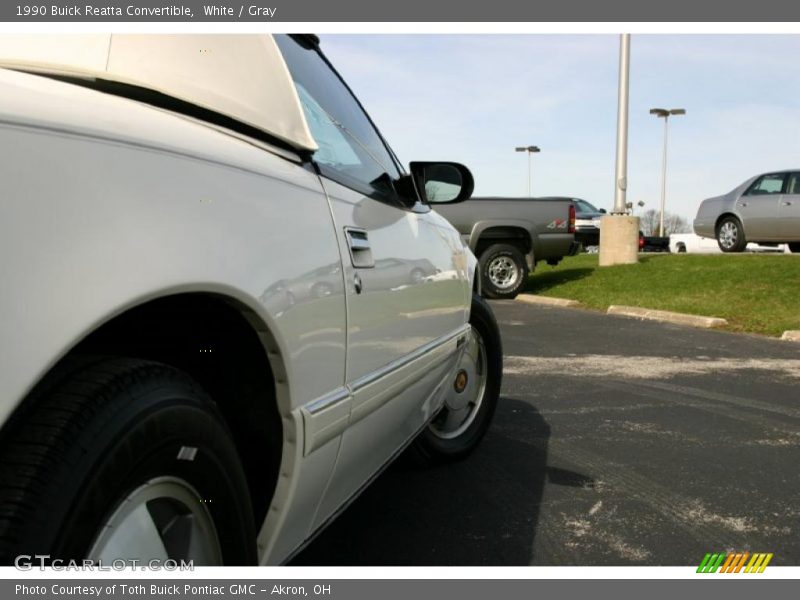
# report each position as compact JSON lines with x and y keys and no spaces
{"x":334,"y":150}
{"x":767,"y":184}
{"x":350,"y":149}
{"x":585,"y":207}
{"x":793,"y":186}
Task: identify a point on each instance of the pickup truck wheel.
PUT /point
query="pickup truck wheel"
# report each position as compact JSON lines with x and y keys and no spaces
{"x":471,"y":398}
{"x":123,"y":459}
{"x":794,"y":247}
{"x":730,"y":235}
{"x":503,"y":271}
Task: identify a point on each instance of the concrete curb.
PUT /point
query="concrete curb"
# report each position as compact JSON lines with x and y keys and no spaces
{"x":791,"y":335}
{"x":547,"y":300}
{"x":666,"y":316}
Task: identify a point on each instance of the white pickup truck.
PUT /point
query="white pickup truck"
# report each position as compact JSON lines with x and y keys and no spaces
{"x":692,"y":243}
{"x":226,"y":306}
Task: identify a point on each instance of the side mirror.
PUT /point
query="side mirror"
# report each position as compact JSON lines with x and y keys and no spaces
{"x":603,"y":210}
{"x":442,"y":182}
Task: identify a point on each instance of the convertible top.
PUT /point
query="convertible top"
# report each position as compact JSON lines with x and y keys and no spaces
{"x":243,"y":77}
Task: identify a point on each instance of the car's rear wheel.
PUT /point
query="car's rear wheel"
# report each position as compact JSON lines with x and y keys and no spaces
{"x":123,"y":459}
{"x":471,"y":398}
{"x":503,"y":271}
{"x":794,"y":247}
{"x":730,"y":235}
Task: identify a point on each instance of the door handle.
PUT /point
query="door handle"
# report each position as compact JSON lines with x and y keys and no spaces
{"x":742,"y":203}
{"x":787,"y":203}
{"x":359,"y":247}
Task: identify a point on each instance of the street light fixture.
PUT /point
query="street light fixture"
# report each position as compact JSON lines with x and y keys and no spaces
{"x":632,"y":208}
{"x":664,"y":113}
{"x":530,"y":150}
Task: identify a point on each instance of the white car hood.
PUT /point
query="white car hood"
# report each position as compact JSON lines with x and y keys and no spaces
{"x":240,"y":76}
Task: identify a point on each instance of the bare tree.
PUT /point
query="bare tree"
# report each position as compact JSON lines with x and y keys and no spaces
{"x":649,"y":222}
{"x":675,"y":224}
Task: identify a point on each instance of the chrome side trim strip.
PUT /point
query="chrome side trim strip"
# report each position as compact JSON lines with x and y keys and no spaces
{"x":401,"y":362}
{"x":331,"y":414}
{"x":328,"y":400}
{"x":325,"y":418}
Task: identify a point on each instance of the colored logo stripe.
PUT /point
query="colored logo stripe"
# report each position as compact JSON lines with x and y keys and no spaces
{"x":758,"y":563}
{"x":733,"y":563}
{"x":711,"y":563}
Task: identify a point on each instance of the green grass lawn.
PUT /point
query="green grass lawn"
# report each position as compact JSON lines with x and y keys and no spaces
{"x":755,"y":293}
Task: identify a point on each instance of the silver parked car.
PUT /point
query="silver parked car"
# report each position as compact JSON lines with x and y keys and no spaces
{"x":764,"y":209}
{"x":226,"y":306}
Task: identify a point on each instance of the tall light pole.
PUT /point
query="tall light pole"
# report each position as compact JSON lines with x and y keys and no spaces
{"x":665,"y":114}
{"x":621,"y":169}
{"x":530,"y":150}
{"x":619,"y":231}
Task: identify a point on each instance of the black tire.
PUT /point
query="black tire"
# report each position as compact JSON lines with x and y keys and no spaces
{"x":80,"y":446}
{"x":429,"y":447}
{"x":501,"y":263}
{"x":794,"y":247}
{"x":681,"y":248}
{"x":735,"y":242}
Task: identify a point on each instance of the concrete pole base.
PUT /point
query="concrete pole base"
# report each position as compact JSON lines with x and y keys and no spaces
{"x":619,"y":240}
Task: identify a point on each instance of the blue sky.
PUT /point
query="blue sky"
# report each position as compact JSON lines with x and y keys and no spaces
{"x":473,"y":98}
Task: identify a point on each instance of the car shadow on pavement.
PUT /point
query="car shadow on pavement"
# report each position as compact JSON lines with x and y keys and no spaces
{"x":542,"y":280}
{"x":480,"y":511}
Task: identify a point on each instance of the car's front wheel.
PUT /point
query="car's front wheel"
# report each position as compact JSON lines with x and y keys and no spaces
{"x":123,"y":459}
{"x":471,"y":398}
{"x":730,"y":235}
{"x":794,"y":247}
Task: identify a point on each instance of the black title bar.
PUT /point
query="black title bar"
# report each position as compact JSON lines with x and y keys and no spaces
{"x":438,"y":11}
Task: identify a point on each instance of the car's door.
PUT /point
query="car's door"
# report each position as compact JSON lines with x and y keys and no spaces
{"x":758,"y":207}
{"x":789,"y":210}
{"x":406,"y":286}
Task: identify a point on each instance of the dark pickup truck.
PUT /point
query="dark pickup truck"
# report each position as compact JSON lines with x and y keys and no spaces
{"x":652,"y":243}
{"x":511,"y":235}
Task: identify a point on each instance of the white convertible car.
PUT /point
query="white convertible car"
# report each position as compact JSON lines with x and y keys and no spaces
{"x":226,"y":306}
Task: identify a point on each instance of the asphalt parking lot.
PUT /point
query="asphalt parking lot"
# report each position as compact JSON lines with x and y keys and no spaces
{"x":616,"y":442}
